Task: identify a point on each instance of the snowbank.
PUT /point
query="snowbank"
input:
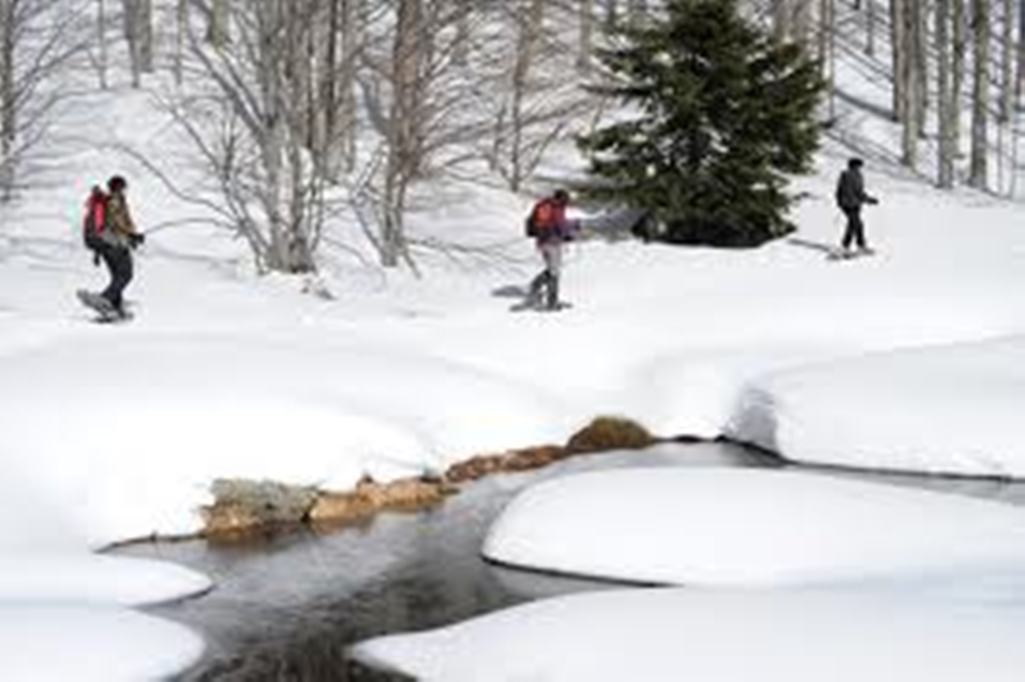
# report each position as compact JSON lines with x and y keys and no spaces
{"x":86,"y":578}
{"x":721,"y":636}
{"x":91,"y":644}
{"x":752,"y":527}
{"x":952,"y":409}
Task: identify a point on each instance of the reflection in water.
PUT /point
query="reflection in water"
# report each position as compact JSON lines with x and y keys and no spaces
{"x":287,"y":607}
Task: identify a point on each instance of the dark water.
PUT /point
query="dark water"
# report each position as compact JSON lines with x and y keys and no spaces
{"x":286,"y":608}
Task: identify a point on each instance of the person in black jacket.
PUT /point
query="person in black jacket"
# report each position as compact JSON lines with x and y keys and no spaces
{"x":850,"y":197}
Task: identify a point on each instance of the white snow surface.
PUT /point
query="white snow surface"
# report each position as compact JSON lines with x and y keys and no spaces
{"x":63,"y":642}
{"x":950,"y":409}
{"x":673,"y":634}
{"x":750,"y":527}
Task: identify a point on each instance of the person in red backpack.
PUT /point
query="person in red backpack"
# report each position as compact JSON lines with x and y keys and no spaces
{"x":111,"y":234}
{"x":550,"y":229}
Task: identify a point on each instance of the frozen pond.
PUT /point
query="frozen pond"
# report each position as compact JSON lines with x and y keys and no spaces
{"x":287,"y":607}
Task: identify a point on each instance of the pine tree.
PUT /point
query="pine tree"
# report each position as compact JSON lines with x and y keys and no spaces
{"x":724,"y":114}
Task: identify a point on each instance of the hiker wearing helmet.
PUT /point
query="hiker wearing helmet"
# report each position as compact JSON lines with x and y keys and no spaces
{"x":550,"y":229}
{"x":850,"y":197}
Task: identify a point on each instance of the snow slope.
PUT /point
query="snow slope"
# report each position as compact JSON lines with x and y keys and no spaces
{"x":750,"y":527}
{"x":949,"y":409}
{"x":716,"y":636}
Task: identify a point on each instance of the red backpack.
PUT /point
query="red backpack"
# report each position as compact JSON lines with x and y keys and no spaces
{"x":95,"y":220}
{"x":542,"y":218}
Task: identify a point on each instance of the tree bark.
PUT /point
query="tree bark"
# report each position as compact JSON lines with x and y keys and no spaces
{"x":960,"y":25}
{"x":586,"y":37}
{"x":899,"y":56}
{"x":217,"y":29}
{"x":945,"y":103}
{"x":977,"y":176}
{"x":911,"y":90}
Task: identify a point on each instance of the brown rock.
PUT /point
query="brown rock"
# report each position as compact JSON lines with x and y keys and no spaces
{"x":610,"y":433}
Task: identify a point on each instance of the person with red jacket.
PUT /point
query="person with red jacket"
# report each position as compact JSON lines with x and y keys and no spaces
{"x":551,"y":230}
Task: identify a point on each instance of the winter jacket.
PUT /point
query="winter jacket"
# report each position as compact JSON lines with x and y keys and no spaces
{"x":120,"y":227}
{"x":850,"y":191}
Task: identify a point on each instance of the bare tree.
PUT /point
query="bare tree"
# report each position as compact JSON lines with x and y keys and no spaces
{"x":977,"y":174}
{"x":138,"y":31}
{"x":960,"y":21}
{"x":899,"y":53}
{"x":250,"y":126}
{"x":101,"y":41}
{"x":37,"y":38}
{"x":870,"y":27}
{"x":909,"y":78}
{"x":217,"y":26}
{"x":586,"y":27}
{"x":945,"y":100}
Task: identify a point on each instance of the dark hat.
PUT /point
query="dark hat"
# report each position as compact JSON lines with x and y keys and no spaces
{"x":561,"y":196}
{"x":855,"y":163}
{"x":117,"y":183}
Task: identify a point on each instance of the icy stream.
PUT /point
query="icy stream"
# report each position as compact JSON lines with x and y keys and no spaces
{"x":287,"y":608}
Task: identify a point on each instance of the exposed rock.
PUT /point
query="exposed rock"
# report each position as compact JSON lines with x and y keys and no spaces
{"x":370,"y":497}
{"x":610,"y":433}
{"x":515,"y":460}
{"x":242,"y":505}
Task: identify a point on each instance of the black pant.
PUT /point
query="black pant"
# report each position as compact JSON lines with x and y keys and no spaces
{"x":118,"y":260}
{"x":855,"y":228}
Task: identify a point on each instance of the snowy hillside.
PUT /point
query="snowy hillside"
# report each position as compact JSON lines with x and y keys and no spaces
{"x":910,"y":359}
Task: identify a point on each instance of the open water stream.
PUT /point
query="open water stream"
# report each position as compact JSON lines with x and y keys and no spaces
{"x":287,"y":607}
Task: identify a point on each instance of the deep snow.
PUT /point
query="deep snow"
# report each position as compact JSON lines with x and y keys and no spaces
{"x":667,"y":635}
{"x":714,"y":527}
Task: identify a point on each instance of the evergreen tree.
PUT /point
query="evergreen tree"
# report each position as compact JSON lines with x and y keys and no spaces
{"x":723,"y":115}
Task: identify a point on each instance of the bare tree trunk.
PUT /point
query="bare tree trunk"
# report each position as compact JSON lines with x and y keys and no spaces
{"x":781,"y":16}
{"x":801,"y":22}
{"x":217,"y":29}
{"x":181,"y":26}
{"x":612,"y":14}
{"x":530,"y":27}
{"x":911,"y":90}
{"x":1020,"y":53}
{"x":130,"y":9}
{"x":826,"y":35}
{"x":870,"y":27}
{"x":977,"y":176}
{"x":945,"y":103}
{"x":144,"y":28}
{"x":919,"y":29}
{"x":900,"y":56}
{"x":461,"y":48}
{"x":957,"y":78}
{"x":347,"y":81}
{"x":585,"y":48}
{"x":403,"y":134}
{"x":1007,"y":54}
{"x":7,"y":103}
{"x":101,"y":35}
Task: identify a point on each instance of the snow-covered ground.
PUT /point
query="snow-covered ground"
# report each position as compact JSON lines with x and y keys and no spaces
{"x":664,"y":635}
{"x":910,"y":359}
{"x":749,"y":527}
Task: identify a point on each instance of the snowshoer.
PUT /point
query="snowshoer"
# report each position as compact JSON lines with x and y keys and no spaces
{"x":550,"y":228}
{"x":111,"y":234}
{"x":850,"y":197}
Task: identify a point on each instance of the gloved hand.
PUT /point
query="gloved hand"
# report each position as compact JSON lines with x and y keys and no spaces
{"x":873,"y":201}
{"x":96,"y":259}
{"x":136,"y":239}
